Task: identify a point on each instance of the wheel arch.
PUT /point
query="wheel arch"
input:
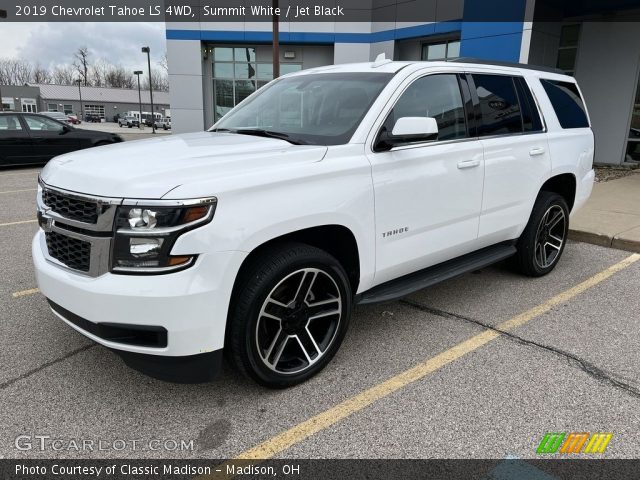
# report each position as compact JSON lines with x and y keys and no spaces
{"x":337,"y":240}
{"x":565,"y":185}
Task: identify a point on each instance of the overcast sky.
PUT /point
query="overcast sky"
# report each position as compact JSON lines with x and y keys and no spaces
{"x":53,"y":43}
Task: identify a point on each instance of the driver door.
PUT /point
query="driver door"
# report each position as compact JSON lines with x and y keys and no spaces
{"x":428,"y":195}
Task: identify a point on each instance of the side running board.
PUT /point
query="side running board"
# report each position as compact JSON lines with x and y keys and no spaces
{"x":413,"y":282}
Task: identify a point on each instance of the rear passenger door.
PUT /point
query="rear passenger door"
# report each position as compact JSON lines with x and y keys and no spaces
{"x":516,"y":156}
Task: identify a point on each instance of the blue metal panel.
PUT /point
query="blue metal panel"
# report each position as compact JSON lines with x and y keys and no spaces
{"x":315,"y":37}
{"x":496,"y":40}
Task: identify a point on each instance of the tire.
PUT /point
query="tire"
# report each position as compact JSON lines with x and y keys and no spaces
{"x":277,"y":335}
{"x":129,"y":126}
{"x":541,"y":244}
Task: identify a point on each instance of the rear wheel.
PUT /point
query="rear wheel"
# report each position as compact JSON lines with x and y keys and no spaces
{"x":541,"y":244}
{"x":289,"y":316}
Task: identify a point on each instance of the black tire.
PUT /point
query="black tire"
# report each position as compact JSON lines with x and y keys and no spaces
{"x":248,"y":326}
{"x":537,"y":238}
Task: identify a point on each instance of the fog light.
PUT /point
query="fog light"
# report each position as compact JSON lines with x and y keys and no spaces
{"x":145,"y":247}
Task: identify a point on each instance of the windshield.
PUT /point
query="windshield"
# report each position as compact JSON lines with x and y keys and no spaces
{"x":317,"y":109}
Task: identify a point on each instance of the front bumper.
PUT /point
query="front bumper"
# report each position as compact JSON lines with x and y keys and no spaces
{"x":191,"y":305}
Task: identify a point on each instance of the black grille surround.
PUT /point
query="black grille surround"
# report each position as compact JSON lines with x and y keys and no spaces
{"x":70,"y":207}
{"x":73,"y":253}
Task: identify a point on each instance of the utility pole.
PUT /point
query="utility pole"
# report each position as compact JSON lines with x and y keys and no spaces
{"x":80,"y":95}
{"x":138,"y":73}
{"x":3,"y":14}
{"x":276,"y":40}
{"x":147,"y":50}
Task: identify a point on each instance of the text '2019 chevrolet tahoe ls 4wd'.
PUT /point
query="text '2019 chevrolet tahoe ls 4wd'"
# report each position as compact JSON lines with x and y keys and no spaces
{"x":328,"y":187}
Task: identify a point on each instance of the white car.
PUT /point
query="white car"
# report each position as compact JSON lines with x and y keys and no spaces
{"x":326,"y":188}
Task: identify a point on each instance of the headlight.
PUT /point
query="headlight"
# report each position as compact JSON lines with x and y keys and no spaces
{"x":146,"y":233}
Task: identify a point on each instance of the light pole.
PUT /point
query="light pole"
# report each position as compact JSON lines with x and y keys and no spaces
{"x":80,"y":95}
{"x":147,"y":50}
{"x":138,"y":73}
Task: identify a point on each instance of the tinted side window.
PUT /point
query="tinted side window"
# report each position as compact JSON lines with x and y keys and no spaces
{"x":436,"y":96}
{"x":567,"y":103}
{"x":498,"y":105}
{"x":531,"y":121}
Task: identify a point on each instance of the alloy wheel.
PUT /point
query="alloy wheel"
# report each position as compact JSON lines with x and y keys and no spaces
{"x":550,"y":236}
{"x":298,"y":321}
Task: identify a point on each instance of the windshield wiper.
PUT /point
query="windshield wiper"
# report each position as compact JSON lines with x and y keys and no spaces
{"x":260,"y":132}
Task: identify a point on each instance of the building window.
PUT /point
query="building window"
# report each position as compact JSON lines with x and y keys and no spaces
{"x":568,"y":49}
{"x":444,"y":50}
{"x":8,"y":104}
{"x":68,"y":109}
{"x":94,"y":110}
{"x":52,"y":107}
{"x":237,"y":74}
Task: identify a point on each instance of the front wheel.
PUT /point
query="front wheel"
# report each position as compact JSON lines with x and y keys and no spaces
{"x":541,"y":244}
{"x":289,"y":316}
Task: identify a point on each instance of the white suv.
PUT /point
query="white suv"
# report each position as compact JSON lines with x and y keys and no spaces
{"x":327,"y":188}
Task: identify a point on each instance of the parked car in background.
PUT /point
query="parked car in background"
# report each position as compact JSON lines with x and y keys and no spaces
{"x":74,"y":120}
{"x":129,"y":122}
{"x":92,"y":118}
{"x":163,"y":123}
{"x":31,"y":138}
{"x":61,"y":117}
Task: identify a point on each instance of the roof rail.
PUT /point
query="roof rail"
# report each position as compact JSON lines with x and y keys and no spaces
{"x":507,"y":64}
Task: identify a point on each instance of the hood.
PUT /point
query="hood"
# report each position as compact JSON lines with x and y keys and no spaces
{"x":151,"y":168}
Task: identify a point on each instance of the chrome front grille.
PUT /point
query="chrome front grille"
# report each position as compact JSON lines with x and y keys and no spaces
{"x":78,"y":229}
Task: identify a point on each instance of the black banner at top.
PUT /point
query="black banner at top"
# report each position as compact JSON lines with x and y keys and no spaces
{"x":381,"y":11}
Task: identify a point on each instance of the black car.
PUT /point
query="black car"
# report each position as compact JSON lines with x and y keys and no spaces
{"x":28,"y":138}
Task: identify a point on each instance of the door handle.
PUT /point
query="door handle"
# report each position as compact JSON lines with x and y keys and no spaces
{"x":536,"y":151}
{"x":468,"y":163}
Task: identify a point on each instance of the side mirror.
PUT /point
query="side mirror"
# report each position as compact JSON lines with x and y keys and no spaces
{"x":66,"y":128}
{"x":408,"y":130}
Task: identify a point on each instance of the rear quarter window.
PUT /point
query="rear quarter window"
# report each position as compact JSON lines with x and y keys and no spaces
{"x":567,"y":103}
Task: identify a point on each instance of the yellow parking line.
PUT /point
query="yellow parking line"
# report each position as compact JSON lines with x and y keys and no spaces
{"x":17,"y":223}
{"x":24,"y":293}
{"x":348,"y":407}
{"x":18,"y":191}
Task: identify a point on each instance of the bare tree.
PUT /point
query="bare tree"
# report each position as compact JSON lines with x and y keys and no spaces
{"x":63,"y":75}
{"x":159,"y":79}
{"x":164,"y":62}
{"x":14,"y":72}
{"x":118,"y":77}
{"x":81,"y":64}
{"x":98,"y":73}
{"x":40,"y":74}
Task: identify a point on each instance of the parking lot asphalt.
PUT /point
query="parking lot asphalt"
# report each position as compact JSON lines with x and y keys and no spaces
{"x":481,"y":366}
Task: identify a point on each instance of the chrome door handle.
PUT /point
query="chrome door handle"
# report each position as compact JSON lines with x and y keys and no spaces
{"x":536,"y":151}
{"x":468,"y":163}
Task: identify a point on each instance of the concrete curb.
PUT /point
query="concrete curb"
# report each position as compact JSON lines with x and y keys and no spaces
{"x":604,"y":240}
